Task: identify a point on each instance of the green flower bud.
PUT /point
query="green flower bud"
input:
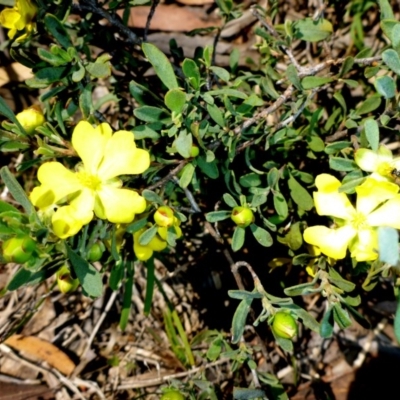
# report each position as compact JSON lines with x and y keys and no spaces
{"x":65,"y":281}
{"x":18,"y":249}
{"x":31,"y":118}
{"x":194,"y":151}
{"x":164,"y":216}
{"x":96,"y":252}
{"x":172,"y":395}
{"x":284,"y":325}
{"x":242,"y":216}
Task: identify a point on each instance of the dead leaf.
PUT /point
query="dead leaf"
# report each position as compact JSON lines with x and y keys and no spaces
{"x":43,"y":350}
{"x":14,"y":72}
{"x":172,"y":18}
{"x":195,"y":2}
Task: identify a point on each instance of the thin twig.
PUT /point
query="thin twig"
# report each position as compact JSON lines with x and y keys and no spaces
{"x":158,"y":381}
{"x":91,"y":6}
{"x":168,"y":177}
{"x":154,"y":5}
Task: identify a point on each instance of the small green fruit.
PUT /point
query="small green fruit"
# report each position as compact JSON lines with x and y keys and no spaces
{"x":172,"y":395}
{"x":65,"y":281}
{"x":194,"y":151}
{"x":242,"y":216}
{"x":164,"y":216}
{"x":284,"y":325}
{"x":18,"y":249}
{"x":96,"y":252}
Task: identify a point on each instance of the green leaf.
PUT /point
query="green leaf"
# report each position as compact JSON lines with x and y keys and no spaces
{"x":243,"y":294}
{"x":147,"y":235}
{"x":4,"y":206}
{"x":285,"y":344}
{"x":152,"y":197}
{"x":53,"y":59}
{"x":302,"y":289}
{"x":187,"y":175}
{"x":261,"y":235}
{"x":229,"y":200}
{"x":391,"y":58}
{"x":127,"y":301}
{"x":350,"y":185}
{"x":326,"y":327}
{"x":145,"y":132}
{"x":293,"y":76}
{"x":8,"y":113}
{"x":149,"y":285}
{"x":57,"y":30}
{"x":191,"y":71}
{"x":342,"y":164}
{"x":222,"y":73}
{"x":239,"y":319}
{"x":280,"y":204}
{"x":346,"y":66}
{"x":311,"y":82}
{"x":17,"y":191}
{"x":336,"y":279}
{"x":137,"y":225}
{"x":208,"y":168}
{"x":388,"y":240}
{"x":161,"y":65}
{"x":238,"y":238}
{"x":300,"y":195}
{"x":249,"y":180}
{"x":183,"y":143}
{"x":228,"y":92}
{"x":216,"y":115}
{"x":151,"y":114}
{"x":341,"y":316}
{"x":248,"y":394}
{"x":175,"y":100}
{"x":369,"y":105}
{"x":385,"y":86}
{"x":24,"y":277}
{"x":386,"y":9}
{"x":116,"y":275}
{"x":372,"y":133}
{"x":312,"y":31}
{"x":89,"y":277}
{"x":216,"y":216}
{"x":99,"y":70}
{"x":85,"y":100}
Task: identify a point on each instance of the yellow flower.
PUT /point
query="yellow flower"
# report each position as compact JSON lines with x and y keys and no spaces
{"x":94,"y":186}
{"x":19,"y":17}
{"x":163,"y":230}
{"x":31,"y":118}
{"x":381,"y":163}
{"x":143,"y":253}
{"x":378,"y":204}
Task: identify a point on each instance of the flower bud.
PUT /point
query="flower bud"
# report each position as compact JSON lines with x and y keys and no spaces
{"x":96,"y":252}
{"x":194,"y":151}
{"x":242,"y":216}
{"x":172,"y":395}
{"x":18,"y":249}
{"x":164,"y":216}
{"x":66,"y":283}
{"x":284,"y":325}
{"x":31,"y":118}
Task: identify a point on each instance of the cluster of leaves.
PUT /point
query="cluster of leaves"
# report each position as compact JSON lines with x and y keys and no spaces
{"x":252,"y":137}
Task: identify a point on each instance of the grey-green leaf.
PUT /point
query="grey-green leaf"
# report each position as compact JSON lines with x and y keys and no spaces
{"x":238,"y":238}
{"x":300,"y":195}
{"x":161,"y":65}
{"x":239,"y":319}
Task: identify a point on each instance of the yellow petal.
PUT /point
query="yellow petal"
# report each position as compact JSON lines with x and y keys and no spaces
{"x":372,"y":193}
{"x":120,"y":205}
{"x":367,"y":160}
{"x":65,"y":222}
{"x":9,"y":18}
{"x":157,"y":244}
{"x":386,"y":215}
{"x":365,"y":246}
{"x":90,"y":143}
{"x":332,"y":242}
{"x":333,"y":204}
{"x":59,"y":179}
{"x":83,"y":203}
{"x":142,"y":253}
{"x":42,"y":197}
{"x":121,"y":157}
{"x":327,"y":183}
{"x":27,"y":10}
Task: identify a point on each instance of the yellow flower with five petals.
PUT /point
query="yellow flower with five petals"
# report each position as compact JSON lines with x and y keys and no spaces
{"x":94,"y":186}
{"x":378,"y":204}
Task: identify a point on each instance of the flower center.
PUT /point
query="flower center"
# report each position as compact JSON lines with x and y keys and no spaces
{"x":385,"y":169}
{"x":88,"y":180}
{"x":359,"y":221}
